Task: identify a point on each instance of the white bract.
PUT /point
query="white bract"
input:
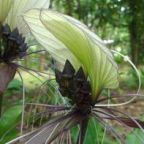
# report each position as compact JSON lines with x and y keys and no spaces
{"x":11,"y":11}
{"x":67,"y":38}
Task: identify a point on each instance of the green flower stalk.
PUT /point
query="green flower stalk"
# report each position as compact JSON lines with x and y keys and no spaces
{"x":12,"y":40}
{"x":86,"y":68}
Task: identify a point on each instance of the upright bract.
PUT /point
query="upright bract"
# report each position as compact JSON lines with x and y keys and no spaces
{"x":66,"y":38}
{"x":15,"y":19}
{"x":11,"y":10}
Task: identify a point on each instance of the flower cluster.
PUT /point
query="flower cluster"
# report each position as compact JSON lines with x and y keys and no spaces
{"x":12,"y":40}
{"x":12,"y":44}
{"x":74,"y":86}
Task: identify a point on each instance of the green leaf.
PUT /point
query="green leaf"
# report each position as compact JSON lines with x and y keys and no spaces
{"x":74,"y":134}
{"x":15,"y":85}
{"x":135,"y":137}
{"x":9,"y":119}
{"x":95,"y":134}
{"x":13,"y":133}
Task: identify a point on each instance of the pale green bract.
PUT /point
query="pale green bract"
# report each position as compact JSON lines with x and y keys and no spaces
{"x":11,"y":11}
{"x":5,"y":6}
{"x":66,"y":38}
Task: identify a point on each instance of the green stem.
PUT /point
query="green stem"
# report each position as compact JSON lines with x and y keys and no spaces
{"x":83,"y":129}
{"x":1,"y":103}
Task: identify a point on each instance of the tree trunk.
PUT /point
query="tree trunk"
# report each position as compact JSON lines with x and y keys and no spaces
{"x":134,"y":42}
{"x":136,"y":25}
{"x":69,"y":7}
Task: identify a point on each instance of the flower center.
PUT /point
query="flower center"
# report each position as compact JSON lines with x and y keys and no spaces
{"x":12,"y":44}
{"x":76,"y":87}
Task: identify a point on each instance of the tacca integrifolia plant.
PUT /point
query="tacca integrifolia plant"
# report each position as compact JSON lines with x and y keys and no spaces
{"x":86,"y":69}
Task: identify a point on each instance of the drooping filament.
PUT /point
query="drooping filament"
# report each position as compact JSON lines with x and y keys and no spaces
{"x":12,"y":44}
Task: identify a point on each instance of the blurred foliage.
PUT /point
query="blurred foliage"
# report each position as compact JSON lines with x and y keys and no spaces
{"x":135,"y":137}
{"x":15,"y":85}
{"x":118,"y":20}
{"x":8,"y":123}
{"x":129,"y":78}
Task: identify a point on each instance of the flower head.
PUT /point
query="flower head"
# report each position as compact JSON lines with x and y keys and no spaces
{"x":66,"y":38}
{"x":12,"y":40}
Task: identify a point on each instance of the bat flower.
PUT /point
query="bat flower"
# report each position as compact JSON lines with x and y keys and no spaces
{"x":86,"y":69}
{"x":12,"y":40}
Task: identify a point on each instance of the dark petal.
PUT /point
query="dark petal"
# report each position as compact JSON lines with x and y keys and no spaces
{"x":86,"y":88}
{"x":22,"y":54}
{"x":23,"y":47}
{"x":11,"y":51}
{"x":80,"y":75}
{"x":14,"y":34}
{"x":6,"y":30}
{"x":86,"y":85}
{"x":78,"y":98}
{"x":64,"y":92}
{"x":68,"y":69}
{"x":20,"y":40}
